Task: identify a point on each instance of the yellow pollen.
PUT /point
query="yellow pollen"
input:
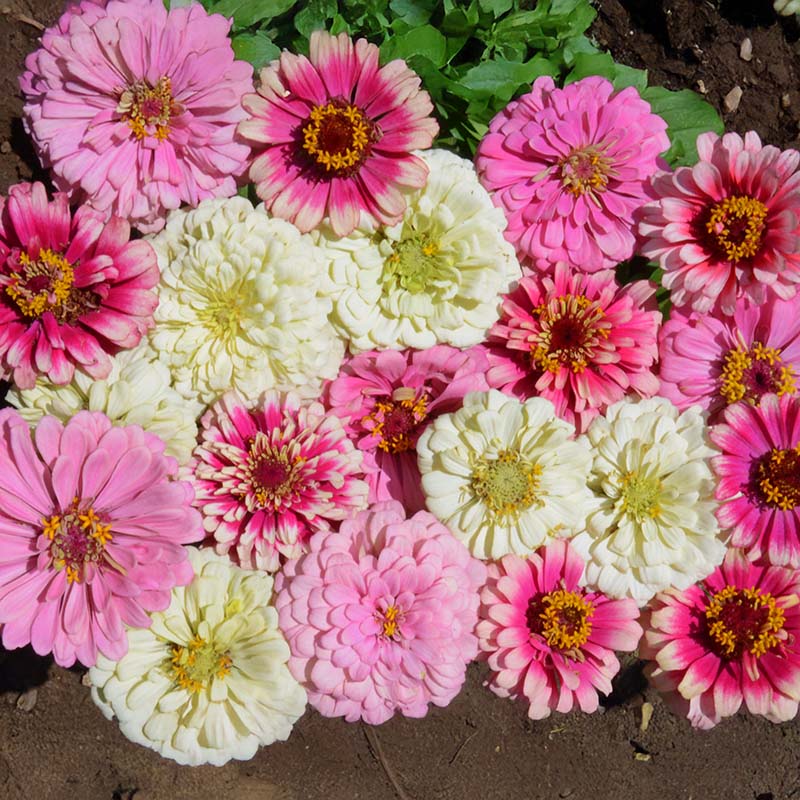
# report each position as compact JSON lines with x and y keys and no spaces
{"x":507,"y":485}
{"x":566,"y":618}
{"x":640,"y":495}
{"x":747,"y":374}
{"x":42,"y":285}
{"x":337,"y":136}
{"x":737,"y":226}
{"x":778,"y":478}
{"x":148,"y":109}
{"x":390,"y":621}
{"x":396,"y":420}
{"x":77,"y":538}
{"x":586,"y":171}
{"x":194,"y":665}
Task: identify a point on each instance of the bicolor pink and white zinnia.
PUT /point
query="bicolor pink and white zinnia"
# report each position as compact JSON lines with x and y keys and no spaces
{"x":332,"y":134}
{"x":267,"y":478}
{"x":73,"y":288}
{"x":548,"y":639}
{"x":380,"y":617}
{"x":92,"y":524}
{"x":134,"y":108}
{"x":732,"y":639}
{"x":570,"y":167}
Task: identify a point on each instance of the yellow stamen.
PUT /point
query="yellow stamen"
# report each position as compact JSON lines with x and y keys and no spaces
{"x":737,"y":225}
{"x":337,"y":136}
{"x":744,"y":619}
{"x":566,"y":619}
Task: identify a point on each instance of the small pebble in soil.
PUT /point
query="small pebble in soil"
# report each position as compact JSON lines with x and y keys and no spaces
{"x":746,"y":50}
{"x":701,"y":86}
{"x":786,"y":101}
{"x":731,"y":100}
{"x":5,"y":147}
{"x":27,"y":700}
{"x":646,"y":712}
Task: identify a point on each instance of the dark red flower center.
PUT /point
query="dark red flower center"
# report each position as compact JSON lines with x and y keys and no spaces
{"x":750,"y":374}
{"x":561,"y":618}
{"x":337,"y":137}
{"x":734,"y":228}
{"x":776,"y":478}
{"x":275,"y":473}
{"x":397,"y":419}
{"x":148,"y":109}
{"x":77,"y":537}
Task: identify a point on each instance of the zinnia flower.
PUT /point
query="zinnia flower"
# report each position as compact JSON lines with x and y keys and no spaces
{"x":569,"y":167}
{"x":759,"y":478}
{"x":134,"y":107}
{"x":73,"y":288}
{"x":388,"y":398}
{"x":266,"y":479}
{"x":546,"y":637}
{"x":91,"y":528}
{"x":380,"y":617}
{"x":505,"y":475}
{"x":579,"y":340}
{"x":734,"y":637}
{"x":654,"y":525}
{"x":240,"y":304}
{"x":208,"y":681}
{"x":728,"y":226}
{"x":333,"y":134}
{"x":436,"y":277}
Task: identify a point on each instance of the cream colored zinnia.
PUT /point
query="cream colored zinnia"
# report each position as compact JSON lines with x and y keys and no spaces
{"x":437,"y":277}
{"x":208,"y":681}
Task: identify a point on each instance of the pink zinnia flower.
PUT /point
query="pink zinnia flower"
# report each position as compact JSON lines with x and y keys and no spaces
{"x":73,"y":288}
{"x":380,"y":617}
{"x":579,"y":340}
{"x":387,"y":399}
{"x":268,"y":478}
{"x":333,"y":134}
{"x":733,"y":637}
{"x":135,"y":107}
{"x":546,"y":637}
{"x":91,"y":528}
{"x":715,"y":360}
{"x":759,"y":478}
{"x":569,"y":167}
{"x":728,"y":226}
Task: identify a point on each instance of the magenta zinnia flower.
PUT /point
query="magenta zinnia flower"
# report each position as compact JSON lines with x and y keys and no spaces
{"x":91,"y":528}
{"x":135,"y":107}
{"x":380,"y":617}
{"x":267,"y":478}
{"x":74,"y":288}
{"x":728,"y":226}
{"x":569,"y":167}
{"x":713,"y":360}
{"x":759,"y":478}
{"x":579,"y":340}
{"x":333,"y":134}
{"x":546,"y":637}
{"x":733,"y":637}
{"x":387,"y":399}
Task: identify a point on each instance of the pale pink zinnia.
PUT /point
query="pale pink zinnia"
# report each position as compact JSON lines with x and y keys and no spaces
{"x":92,"y":525}
{"x":134,"y":108}
{"x":579,"y":340}
{"x":333,"y":134}
{"x":269,"y":477}
{"x":713,"y":360}
{"x":73,"y":288}
{"x":380,"y":617}
{"x":546,"y":637}
{"x":569,"y":167}
{"x":387,"y":399}
{"x":729,"y":226}
{"x":759,"y":478}
{"x":734,"y":637}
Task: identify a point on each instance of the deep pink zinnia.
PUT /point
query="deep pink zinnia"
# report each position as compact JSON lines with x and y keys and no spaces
{"x":733,"y":637}
{"x":269,"y":477}
{"x":73,"y":288}
{"x":546,"y":637}
{"x":579,"y":340}
{"x":91,"y":533}
{"x":728,"y":226}
{"x":569,"y":167}
{"x":135,"y":108}
{"x":387,"y":399}
{"x":380,"y":616}
{"x":333,"y":134}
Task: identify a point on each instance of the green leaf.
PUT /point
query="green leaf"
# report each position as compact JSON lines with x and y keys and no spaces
{"x":315,"y":16}
{"x":496,"y":7}
{"x":423,"y":41}
{"x":603,"y":64}
{"x":257,"y":48}
{"x":251,"y":12}
{"x":412,"y":12}
{"x":500,"y":78}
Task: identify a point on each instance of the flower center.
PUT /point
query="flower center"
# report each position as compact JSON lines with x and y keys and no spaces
{"x":412,"y":263}
{"x":42,"y":285}
{"x":640,"y":495}
{"x":736,"y":226}
{"x":742,"y":620}
{"x":275,"y":474}
{"x":338,"y":137}
{"x":508,"y":484}
{"x":777,"y":476}
{"x":586,"y":171}
{"x":193,"y":666}
{"x":223,"y":317}
{"x":397,"y":420}
{"x":390,"y":619}
{"x":749,"y":374}
{"x":148,"y":109}
{"x":562,"y":618}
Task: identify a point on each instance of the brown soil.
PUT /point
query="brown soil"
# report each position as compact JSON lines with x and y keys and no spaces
{"x":54,"y":744}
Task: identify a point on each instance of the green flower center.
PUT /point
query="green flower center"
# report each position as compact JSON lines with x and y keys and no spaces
{"x":413,"y":263}
{"x":640,"y":495}
{"x":193,"y":666}
{"x":508,"y":484}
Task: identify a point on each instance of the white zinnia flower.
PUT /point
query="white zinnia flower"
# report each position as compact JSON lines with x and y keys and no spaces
{"x":504,"y":475}
{"x":787,"y":7}
{"x":136,"y":392}
{"x":239,"y":304}
{"x":436,"y":277}
{"x":208,"y":681}
{"x":655,"y":525}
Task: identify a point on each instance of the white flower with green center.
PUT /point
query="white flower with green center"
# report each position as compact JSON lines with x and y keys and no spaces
{"x":436,"y":277}
{"x":208,"y":681}
{"x":655,"y":525}
{"x":240,"y":304}
{"x":504,"y":475}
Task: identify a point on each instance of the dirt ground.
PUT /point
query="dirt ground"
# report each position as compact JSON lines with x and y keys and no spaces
{"x":55,"y":745}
